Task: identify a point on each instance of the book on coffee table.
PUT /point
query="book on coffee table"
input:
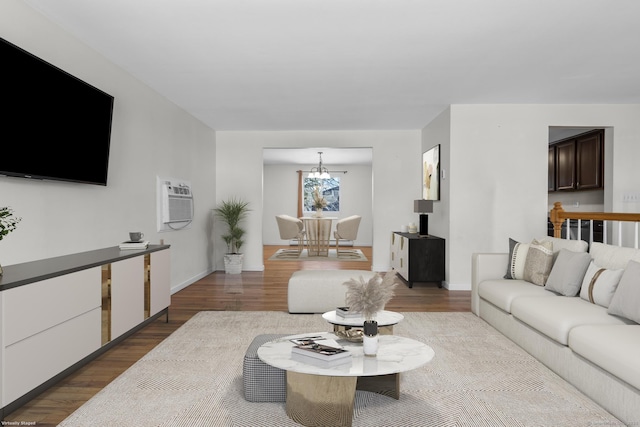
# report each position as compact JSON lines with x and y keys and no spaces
{"x":320,"y":351}
{"x":319,"y":362}
{"x":317,"y":340}
{"x":346,"y":313}
{"x":306,"y":340}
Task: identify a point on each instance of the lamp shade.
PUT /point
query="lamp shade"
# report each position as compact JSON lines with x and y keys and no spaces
{"x":423,"y":206}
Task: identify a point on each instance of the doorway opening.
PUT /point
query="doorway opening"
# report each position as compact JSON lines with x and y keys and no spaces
{"x":284,"y":169}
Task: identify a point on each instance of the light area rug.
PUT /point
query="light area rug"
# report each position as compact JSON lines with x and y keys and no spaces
{"x":477,"y":378}
{"x":355,"y":255}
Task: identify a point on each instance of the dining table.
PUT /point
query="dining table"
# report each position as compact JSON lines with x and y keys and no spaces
{"x":318,"y":234}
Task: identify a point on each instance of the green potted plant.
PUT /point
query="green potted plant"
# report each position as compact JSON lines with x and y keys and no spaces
{"x":232,"y":212}
{"x":8,"y":223}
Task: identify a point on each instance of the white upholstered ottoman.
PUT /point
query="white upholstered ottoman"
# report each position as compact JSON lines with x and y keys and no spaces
{"x":319,"y":291}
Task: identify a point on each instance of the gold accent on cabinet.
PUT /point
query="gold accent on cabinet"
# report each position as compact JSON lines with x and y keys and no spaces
{"x":106,"y":304}
{"x":147,"y":285}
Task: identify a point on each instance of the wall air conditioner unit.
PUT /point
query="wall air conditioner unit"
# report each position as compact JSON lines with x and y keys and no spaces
{"x":177,"y":202}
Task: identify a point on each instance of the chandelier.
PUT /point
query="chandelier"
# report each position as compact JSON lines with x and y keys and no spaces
{"x":320,"y":171}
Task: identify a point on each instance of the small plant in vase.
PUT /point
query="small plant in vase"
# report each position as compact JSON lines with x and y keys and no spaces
{"x":319,"y":202}
{"x":368,"y":298}
{"x":8,"y":223}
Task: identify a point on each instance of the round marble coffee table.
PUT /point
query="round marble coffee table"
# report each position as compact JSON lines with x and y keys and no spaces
{"x":323,"y":396}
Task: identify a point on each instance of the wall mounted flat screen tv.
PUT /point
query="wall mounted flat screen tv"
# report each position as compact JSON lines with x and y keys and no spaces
{"x":52,"y":124}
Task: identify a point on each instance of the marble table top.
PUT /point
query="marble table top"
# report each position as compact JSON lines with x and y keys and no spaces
{"x":395,"y":354}
{"x":384,"y":318}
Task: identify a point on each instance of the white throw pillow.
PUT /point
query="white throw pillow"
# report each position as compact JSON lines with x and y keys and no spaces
{"x":626,"y":300}
{"x":599,"y":284}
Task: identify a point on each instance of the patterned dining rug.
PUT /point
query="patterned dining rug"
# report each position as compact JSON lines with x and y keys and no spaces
{"x":354,"y":255}
{"x":477,"y":378}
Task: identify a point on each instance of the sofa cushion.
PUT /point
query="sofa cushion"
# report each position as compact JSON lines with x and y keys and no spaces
{"x":501,"y":293}
{"x":539,"y":261}
{"x":567,"y":272}
{"x":626,"y":300}
{"x":517,"y":258}
{"x":599,"y":284}
{"x":613,"y":348}
{"x":555,"y":317}
{"x":614,"y":257}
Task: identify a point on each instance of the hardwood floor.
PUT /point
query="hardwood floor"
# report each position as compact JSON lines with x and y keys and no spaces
{"x":249,"y":291}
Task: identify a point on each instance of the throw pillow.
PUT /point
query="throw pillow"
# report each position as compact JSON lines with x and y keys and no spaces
{"x":568,"y":272}
{"x":599,"y":284}
{"x":539,"y":261}
{"x":626,"y":300}
{"x":517,"y":257}
{"x":559,"y":244}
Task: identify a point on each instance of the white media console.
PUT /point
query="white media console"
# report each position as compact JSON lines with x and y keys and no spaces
{"x":58,"y":314}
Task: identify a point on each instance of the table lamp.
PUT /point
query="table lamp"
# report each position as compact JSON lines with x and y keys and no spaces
{"x":423,"y":207}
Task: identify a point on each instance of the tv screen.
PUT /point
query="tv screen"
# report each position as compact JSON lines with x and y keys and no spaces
{"x":52,"y":124}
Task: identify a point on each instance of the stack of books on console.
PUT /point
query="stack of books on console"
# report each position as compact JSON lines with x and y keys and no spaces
{"x":344,"y":312}
{"x":318,"y":354}
{"x":129,"y":245}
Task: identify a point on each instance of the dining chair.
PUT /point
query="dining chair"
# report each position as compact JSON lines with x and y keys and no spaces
{"x":290,"y":228}
{"x":347,"y":229}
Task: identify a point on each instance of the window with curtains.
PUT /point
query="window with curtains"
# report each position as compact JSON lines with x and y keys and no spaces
{"x":329,"y":189}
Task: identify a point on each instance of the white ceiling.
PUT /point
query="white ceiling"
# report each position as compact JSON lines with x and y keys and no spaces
{"x":362,"y":64}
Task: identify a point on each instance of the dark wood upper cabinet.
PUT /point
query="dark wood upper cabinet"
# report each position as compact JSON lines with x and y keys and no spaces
{"x":552,"y":168}
{"x":566,"y":166}
{"x":589,"y":171}
{"x":578,"y":162}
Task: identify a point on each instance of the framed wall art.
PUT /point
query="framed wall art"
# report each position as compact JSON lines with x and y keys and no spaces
{"x":431,"y":174}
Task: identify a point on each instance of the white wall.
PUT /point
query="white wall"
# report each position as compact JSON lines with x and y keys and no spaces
{"x":396,"y":180}
{"x":578,"y":201}
{"x":281,"y":197}
{"x":439,"y":132}
{"x":150,"y":137}
{"x":497,"y":177}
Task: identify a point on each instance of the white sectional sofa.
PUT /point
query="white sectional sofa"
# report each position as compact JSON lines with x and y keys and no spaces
{"x":582,"y":341}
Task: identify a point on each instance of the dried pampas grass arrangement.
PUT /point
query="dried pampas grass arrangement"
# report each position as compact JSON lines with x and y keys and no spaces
{"x":369,"y":297}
